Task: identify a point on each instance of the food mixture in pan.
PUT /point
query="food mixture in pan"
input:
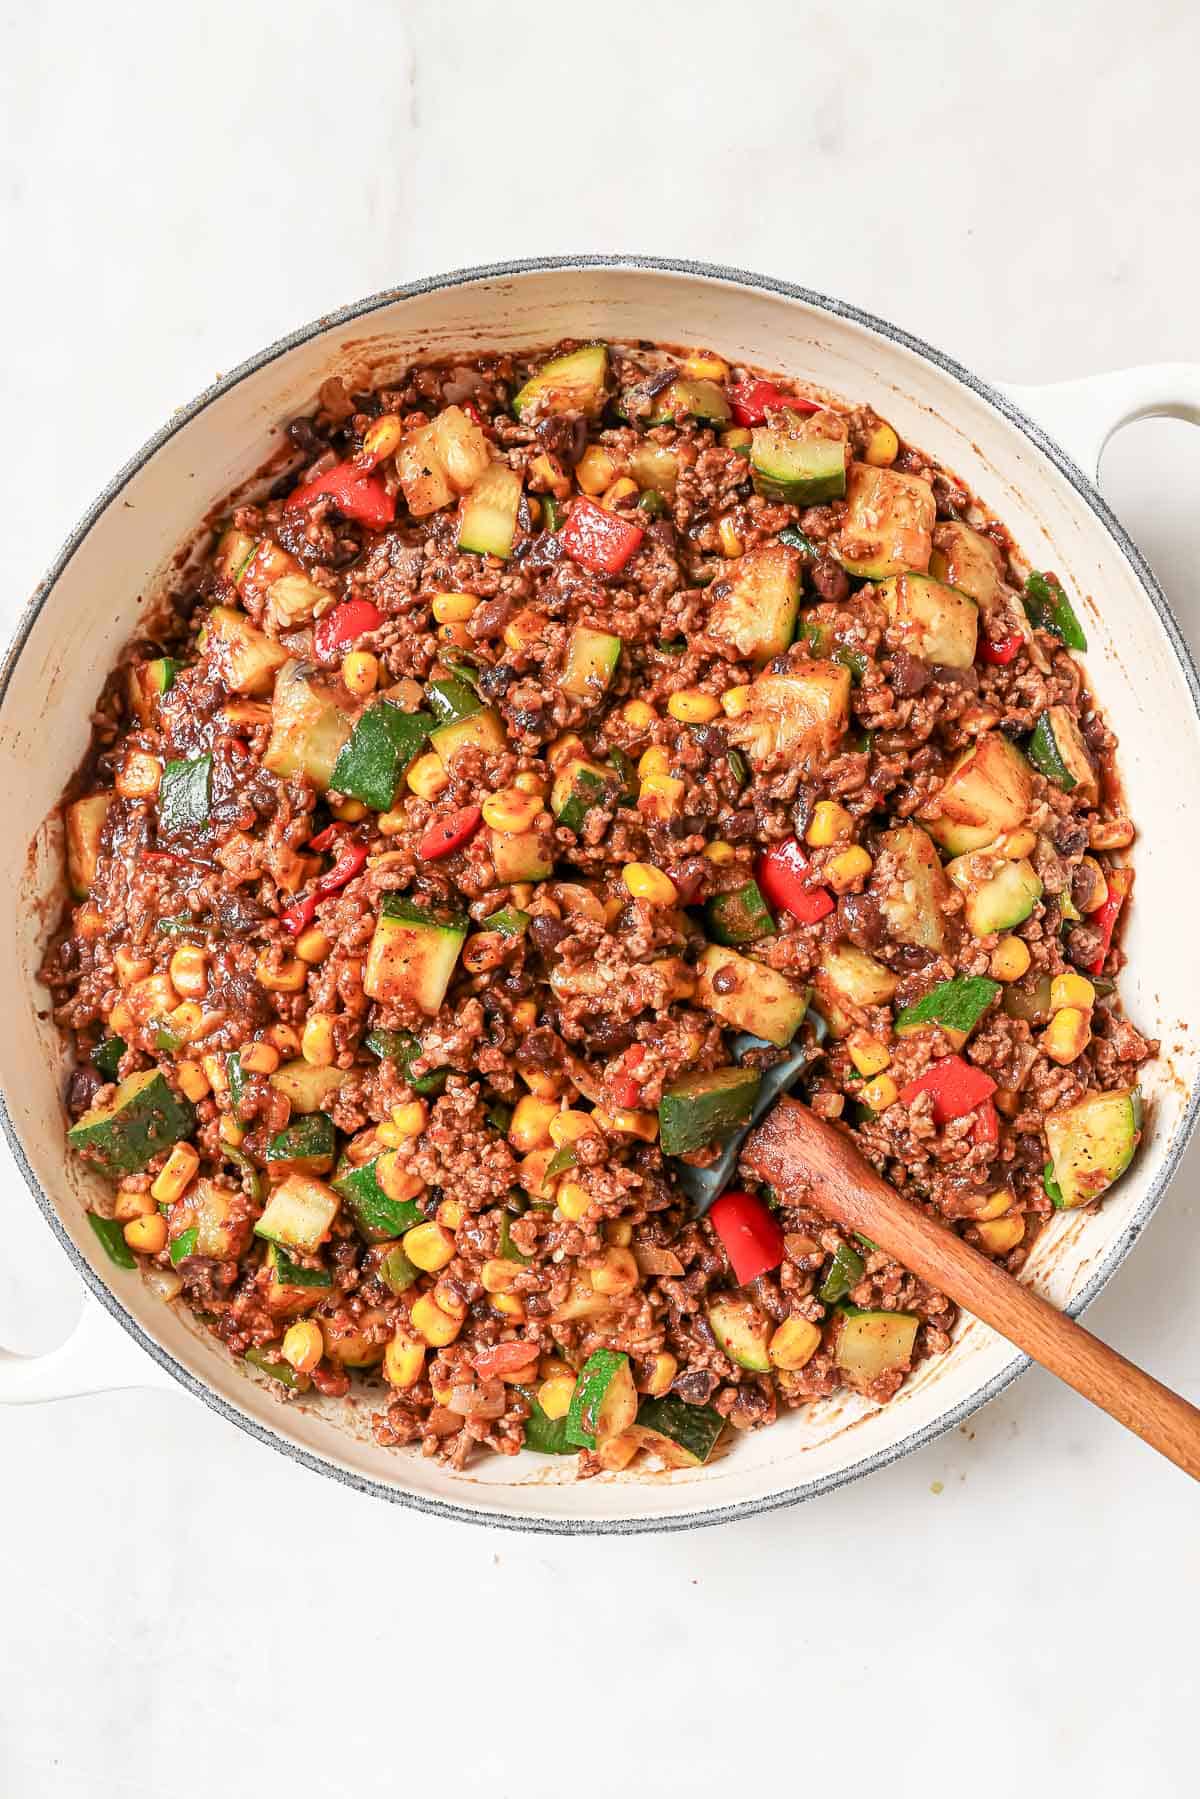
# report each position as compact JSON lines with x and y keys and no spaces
{"x":567,"y":744}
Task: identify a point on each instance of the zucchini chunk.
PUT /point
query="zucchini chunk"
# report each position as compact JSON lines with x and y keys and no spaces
{"x":306,"y":1145}
{"x":219,"y":1218}
{"x":383,"y":743}
{"x":1057,"y":750}
{"x":704,"y":1108}
{"x":577,"y":788}
{"x":754,"y":609}
{"x":930,"y":620}
{"x":148,"y":681}
{"x":423,"y":480}
{"x":291,"y":1287}
{"x":308,"y":727}
{"x":143,"y":1117}
{"x":413,"y":953}
{"x":683,"y":1435}
{"x":868,"y":1344}
{"x":995,"y":901}
{"x":233,"y":554}
{"x":1092,"y":1143}
{"x":306,"y":1087}
{"x":571,"y":383}
{"x":245,"y":659}
{"x":655,"y":468}
{"x":544,"y":1435}
{"x":738,"y":917}
{"x":955,"y":1006}
{"x":967,"y":560}
{"x":488,"y":519}
{"x":185,"y":795}
{"x":591,"y":663}
{"x":451,"y":700}
{"x":520,"y":856}
{"x":685,"y":398}
{"x":800,"y":717}
{"x":987,"y":792}
{"x":800,"y":458}
{"x":743,"y":1330}
{"x":482,"y":729}
{"x":888,"y":527}
{"x":461,"y":448}
{"x":404,"y":1049}
{"x":84,"y":825}
{"x":299,"y":1214}
{"x":847,"y":980}
{"x":911,"y":888}
{"x":759,"y":999}
{"x":604,"y":1402}
{"x":377,"y":1217}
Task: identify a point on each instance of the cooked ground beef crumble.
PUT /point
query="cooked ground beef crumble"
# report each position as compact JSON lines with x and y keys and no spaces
{"x":567,"y":747}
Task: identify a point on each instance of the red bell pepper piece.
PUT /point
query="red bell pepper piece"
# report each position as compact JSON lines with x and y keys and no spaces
{"x":750,"y":400}
{"x":472,"y":411}
{"x":986,"y":1128}
{"x":752,"y":1238}
{"x":362,"y":497}
{"x":599,"y":540}
{"x":957,"y":1088}
{"x":1120,"y":880}
{"x":449,"y":833}
{"x":1000,"y":651}
{"x":325,"y":840}
{"x":781,"y":876}
{"x":504,"y":1358}
{"x":343,"y":625}
{"x":622,"y":1085}
{"x":350,"y":862}
{"x":297,"y":918}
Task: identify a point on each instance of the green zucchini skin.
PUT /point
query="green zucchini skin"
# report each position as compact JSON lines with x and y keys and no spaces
{"x":743,"y":1330}
{"x":307,"y":1143}
{"x":451,"y":700}
{"x":789,"y":462}
{"x":739,"y":917}
{"x":283,"y":1372}
{"x":144,"y":1117}
{"x":685,"y":1434}
{"x":1092,"y":1144}
{"x":396,"y":1272}
{"x":571,"y":383}
{"x":286,"y":1272}
{"x":112,"y":1236}
{"x":845,"y":1272}
{"x":510,"y":921}
{"x":381,"y":746}
{"x":376,"y":1217}
{"x":1057,"y":750}
{"x":185,"y":795}
{"x":488,"y":519}
{"x":413,"y":954}
{"x":592,"y":658}
{"x":604,"y":1370}
{"x":702,"y":1108}
{"x":106,"y":1057}
{"x":577,"y":789}
{"x":403,"y":1048}
{"x":543,"y":1435}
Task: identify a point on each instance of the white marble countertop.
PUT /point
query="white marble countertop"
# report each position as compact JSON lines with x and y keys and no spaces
{"x":183,"y":1612}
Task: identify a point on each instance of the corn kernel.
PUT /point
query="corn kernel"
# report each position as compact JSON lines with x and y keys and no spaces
{"x":880,"y":1093}
{"x":130,"y":968}
{"x":633,"y":1124}
{"x":691,"y":707}
{"x":429,"y":1321}
{"x":360,"y":673}
{"x":455,"y":637}
{"x":411,"y":1118}
{"x":883,"y":447}
{"x":187,"y":1020}
{"x":638,"y":715}
{"x":731,"y":543}
{"x":829,"y":822}
{"x":620,"y":490}
{"x":231,"y":1132}
{"x":573,"y":1200}
{"x":1010,"y":959}
{"x":616,"y":1273}
{"x":302,"y":1346}
{"x":794,"y":1343}
{"x":531,"y":1171}
{"x":705,"y":365}
{"x":1015,"y":845}
{"x":568,"y":1127}
{"x":999,"y":1235}
{"x":214,"y":1070}
{"x":147,"y":1235}
{"x":542,"y":1082}
{"x":428,"y":1246}
{"x":133,"y":1202}
{"x":391,"y":824}
{"x":381,"y":438}
{"x":509,"y":1305}
{"x":138,"y":776}
{"x":454,"y":608}
{"x":426,"y":777}
{"x":348,"y":812}
{"x":288,"y":977}
{"x":121,"y":1020}
{"x":555,"y":1396}
{"x":1067,"y":1034}
{"x":549,"y":473}
{"x":283,"y":1038}
{"x":1110,"y":834}
{"x":867,"y":1053}
{"x":259,"y":1058}
{"x":645,"y":882}
{"x":595,"y":471}
{"x":721,"y":854}
{"x":523,"y":631}
{"x":654,"y":761}
{"x":313,"y":945}
{"x":498,"y":1275}
{"x":177,"y":1172}
{"x":848,"y":868}
{"x":529,"y":782}
{"x":510,"y":809}
{"x":662,"y":1372}
{"x":738,"y":437}
{"x":619,"y":1231}
{"x":1071,"y":989}
{"x":660,"y":795}
{"x":403,"y":1363}
{"x":316,"y":1040}
{"x":529,"y":1128}
{"x":735,"y":701}
{"x":188,"y":970}
{"x":524,"y":1015}
{"x":995,"y":1205}
{"x":193,"y":1082}
{"x":397,"y":1181}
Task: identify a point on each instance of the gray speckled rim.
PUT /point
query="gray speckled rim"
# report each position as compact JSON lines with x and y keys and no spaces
{"x":1088,"y":494}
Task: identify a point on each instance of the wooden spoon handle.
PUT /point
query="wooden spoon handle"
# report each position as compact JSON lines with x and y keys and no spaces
{"x":799,"y":1154}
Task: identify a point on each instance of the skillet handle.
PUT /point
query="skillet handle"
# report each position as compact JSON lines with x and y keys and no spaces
{"x":98,"y":1357}
{"x":1082,"y":415}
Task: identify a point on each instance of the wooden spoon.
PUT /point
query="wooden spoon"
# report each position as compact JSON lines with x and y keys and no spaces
{"x":807,"y":1160}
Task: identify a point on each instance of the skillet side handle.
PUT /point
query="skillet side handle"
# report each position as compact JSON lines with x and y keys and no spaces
{"x":97,"y":1357}
{"x":1082,"y":415}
